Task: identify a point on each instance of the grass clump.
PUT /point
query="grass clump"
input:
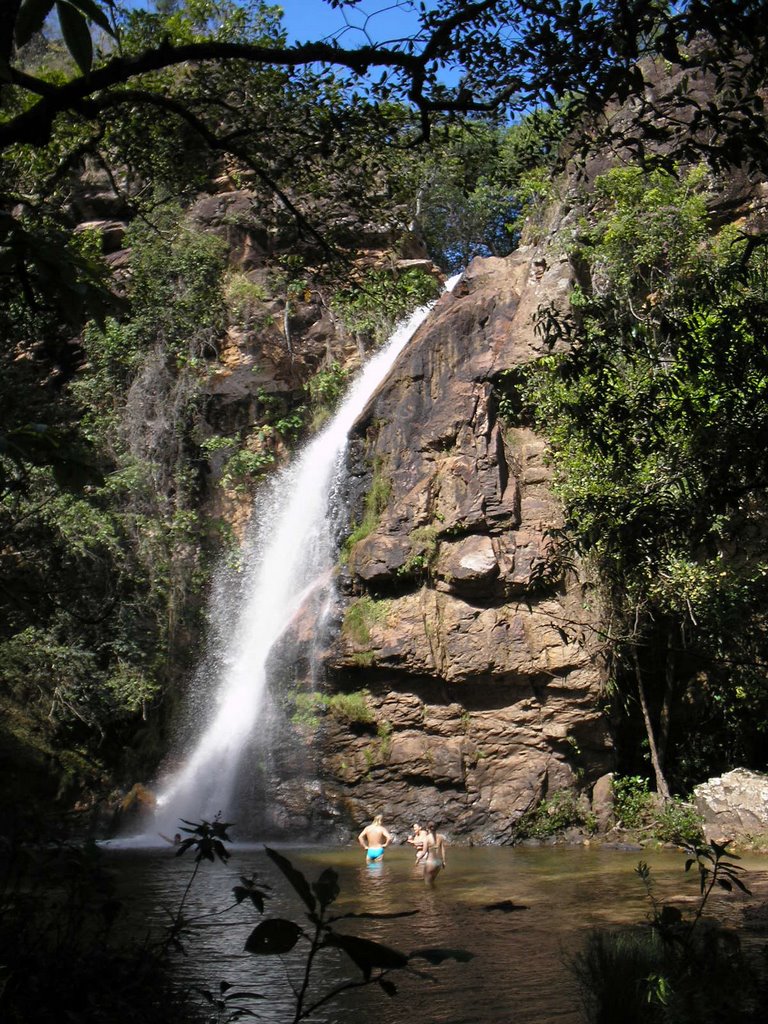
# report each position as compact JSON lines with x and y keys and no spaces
{"x":423,"y":541}
{"x":352,"y":708}
{"x":375,"y":502}
{"x":360,"y":617}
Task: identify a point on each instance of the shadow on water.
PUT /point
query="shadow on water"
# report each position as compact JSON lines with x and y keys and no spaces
{"x":522,"y":913}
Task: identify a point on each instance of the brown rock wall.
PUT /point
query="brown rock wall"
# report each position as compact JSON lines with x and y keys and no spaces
{"x":478,"y":656}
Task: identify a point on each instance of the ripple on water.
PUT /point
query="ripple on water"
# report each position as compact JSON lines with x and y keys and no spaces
{"x":519,"y":971}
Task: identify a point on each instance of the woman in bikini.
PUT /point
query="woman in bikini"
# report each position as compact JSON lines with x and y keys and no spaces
{"x":432,"y":856}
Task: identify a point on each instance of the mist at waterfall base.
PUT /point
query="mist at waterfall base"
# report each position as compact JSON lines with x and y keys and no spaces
{"x":225,"y":762}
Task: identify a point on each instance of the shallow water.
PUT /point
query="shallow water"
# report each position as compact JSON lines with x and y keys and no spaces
{"x":519,"y":972}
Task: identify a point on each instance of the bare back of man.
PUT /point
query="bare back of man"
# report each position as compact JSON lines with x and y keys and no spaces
{"x":374,"y":839}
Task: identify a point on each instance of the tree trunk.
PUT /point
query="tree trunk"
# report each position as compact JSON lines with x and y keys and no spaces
{"x":666,"y":707}
{"x":661,"y":783}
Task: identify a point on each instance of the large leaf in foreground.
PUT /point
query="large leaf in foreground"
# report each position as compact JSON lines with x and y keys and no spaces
{"x":295,"y":877}
{"x":366,"y":953}
{"x":273,"y":937}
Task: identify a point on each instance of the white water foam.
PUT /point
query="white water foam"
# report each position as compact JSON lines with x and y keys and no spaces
{"x":290,"y":555}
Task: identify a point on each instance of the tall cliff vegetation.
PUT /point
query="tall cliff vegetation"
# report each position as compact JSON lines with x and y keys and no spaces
{"x":657,"y":418}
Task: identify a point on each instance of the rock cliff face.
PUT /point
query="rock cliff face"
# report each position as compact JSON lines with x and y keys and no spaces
{"x":455,"y":613}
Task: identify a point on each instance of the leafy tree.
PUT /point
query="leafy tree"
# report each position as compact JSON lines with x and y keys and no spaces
{"x":657,"y":419}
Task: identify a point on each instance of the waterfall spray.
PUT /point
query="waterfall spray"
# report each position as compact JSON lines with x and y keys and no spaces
{"x":289,"y":556}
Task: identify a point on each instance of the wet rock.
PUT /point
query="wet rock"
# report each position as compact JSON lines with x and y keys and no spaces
{"x":478,"y":653}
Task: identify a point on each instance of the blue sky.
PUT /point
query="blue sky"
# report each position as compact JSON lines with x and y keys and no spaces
{"x":383,"y":20}
{"x":376,"y":21}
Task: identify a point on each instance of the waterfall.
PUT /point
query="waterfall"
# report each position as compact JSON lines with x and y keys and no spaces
{"x":288,"y":557}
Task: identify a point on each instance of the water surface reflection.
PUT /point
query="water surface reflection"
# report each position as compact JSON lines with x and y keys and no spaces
{"x":519,"y":972}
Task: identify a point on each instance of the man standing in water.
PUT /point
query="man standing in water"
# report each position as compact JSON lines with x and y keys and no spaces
{"x":374,"y":838}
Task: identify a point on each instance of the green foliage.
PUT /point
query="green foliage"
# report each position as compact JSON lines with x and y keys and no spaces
{"x":384,"y":732}
{"x":360,"y":616}
{"x":66,"y":944}
{"x":424,"y":546}
{"x":562,"y":810}
{"x":308,"y":709}
{"x":681,"y":969}
{"x":350,"y":708}
{"x":655,"y":411}
{"x":375,"y":503}
{"x":176,"y":287}
{"x":633,"y":802}
{"x":669,"y":821}
{"x":74,"y":17}
{"x":245,"y":467}
{"x":326,"y":389}
{"x":678,"y":822}
{"x":102,"y":561}
{"x":244,"y":300}
{"x":618,"y":975}
{"x":481,"y":182}
{"x":382,"y":300}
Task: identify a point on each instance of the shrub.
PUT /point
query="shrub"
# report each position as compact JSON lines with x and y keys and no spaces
{"x":382,"y":300}
{"x":244,"y":299}
{"x":678,"y":822}
{"x":632,"y":801}
{"x":562,"y":810}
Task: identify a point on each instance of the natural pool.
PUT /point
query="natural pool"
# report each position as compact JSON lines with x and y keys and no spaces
{"x":519,"y":973}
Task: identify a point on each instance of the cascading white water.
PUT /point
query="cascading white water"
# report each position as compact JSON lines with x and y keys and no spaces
{"x":290,"y":553}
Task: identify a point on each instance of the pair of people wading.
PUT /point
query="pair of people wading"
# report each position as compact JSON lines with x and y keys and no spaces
{"x":428,"y":842}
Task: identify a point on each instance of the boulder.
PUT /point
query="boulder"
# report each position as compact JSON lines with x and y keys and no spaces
{"x":733,"y":805}
{"x":603,"y":801}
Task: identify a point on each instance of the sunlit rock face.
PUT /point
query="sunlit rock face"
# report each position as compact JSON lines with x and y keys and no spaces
{"x":474,"y":643}
{"x":734,"y":806}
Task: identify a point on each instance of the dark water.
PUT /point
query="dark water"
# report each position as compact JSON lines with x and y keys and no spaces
{"x":519,"y":973}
